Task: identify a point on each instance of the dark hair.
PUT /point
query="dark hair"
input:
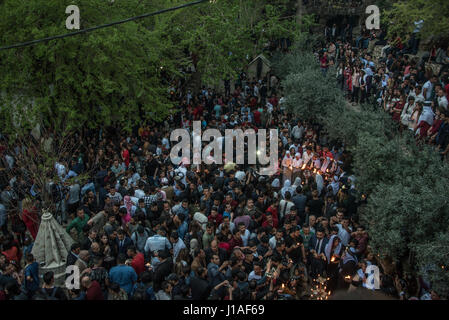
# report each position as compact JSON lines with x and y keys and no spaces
{"x":320,"y":229}
{"x":29,"y":257}
{"x":146,"y":277}
{"x":48,"y":277}
{"x":264,"y":239}
{"x":114,"y":287}
{"x":174,"y":235}
{"x":132,"y":248}
{"x":121,"y":258}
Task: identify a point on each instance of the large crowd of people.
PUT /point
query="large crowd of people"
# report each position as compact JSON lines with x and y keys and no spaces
{"x":146,"y":229}
{"x":399,"y":81}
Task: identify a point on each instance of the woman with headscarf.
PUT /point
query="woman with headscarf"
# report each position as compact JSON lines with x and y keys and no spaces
{"x":296,"y":184}
{"x":287,"y":187}
{"x":348,"y":267}
{"x":130,"y":207}
{"x":319,"y":182}
{"x":287,"y":167}
{"x":335,"y":184}
{"x":130,"y":210}
{"x":276,"y":184}
{"x":297,"y":164}
{"x":333,"y":252}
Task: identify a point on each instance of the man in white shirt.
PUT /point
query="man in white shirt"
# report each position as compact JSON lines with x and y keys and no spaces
{"x":296,"y":164}
{"x":298,"y":131}
{"x":307,"y":156}
{"x":274,"y":239}
{"x":442,"y":100}
{"x":417,"y":93}
{"x":428,"y":87}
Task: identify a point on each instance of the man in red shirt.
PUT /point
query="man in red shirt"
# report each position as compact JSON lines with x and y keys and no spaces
{"x":125,"y":155}
{"x":228,"y":200}
{"x":236,"y":240}
{"x":138,"y":260}
{"x":93,"y":289}
{"x":215,"y":217}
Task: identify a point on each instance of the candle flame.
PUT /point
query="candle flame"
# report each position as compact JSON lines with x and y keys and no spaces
{"x":332,"y":259}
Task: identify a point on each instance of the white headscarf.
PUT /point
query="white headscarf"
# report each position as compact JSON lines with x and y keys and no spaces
{"x":335,"y":185}
{"x":297,"y":182}
{"x":328,"y":248}
{"x":276,"y":183}
{"x":287,"y":161}
{"x":319,"y":182}
{"x":287,"y":187}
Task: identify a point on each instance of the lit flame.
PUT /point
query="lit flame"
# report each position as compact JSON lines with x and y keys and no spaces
{"x":304,"y":166}
{"x":332,"y":259}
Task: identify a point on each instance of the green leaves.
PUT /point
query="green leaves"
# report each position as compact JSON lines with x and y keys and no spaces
{"x":401,"y":16}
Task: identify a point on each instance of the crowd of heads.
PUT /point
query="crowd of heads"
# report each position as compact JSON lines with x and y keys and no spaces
{"x":413,"y":89}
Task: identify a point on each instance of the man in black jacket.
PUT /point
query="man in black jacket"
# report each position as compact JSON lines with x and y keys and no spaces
{"x":201,"y":288}
{"x":163,"y":270}
{"x":317,"y":258}
{"x":123,"y":241}
{"x":73,"y":254}
{"x":214,"y":249}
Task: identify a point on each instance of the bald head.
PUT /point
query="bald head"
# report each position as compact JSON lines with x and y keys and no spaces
{"x":85,"y":282}
{"x":95,"y":247}
{"x":84,"y":255}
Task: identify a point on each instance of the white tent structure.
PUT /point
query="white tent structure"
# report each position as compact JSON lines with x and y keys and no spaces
{"x":51,"y":247}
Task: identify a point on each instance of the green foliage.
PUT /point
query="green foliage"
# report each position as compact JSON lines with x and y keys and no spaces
{"x":400,"y":17}
{"x":221,"y":36}
{"x":91,"y":79}
{"x":406,"y":184}
{"x":433,"y":260}
{"x":112,"y":75}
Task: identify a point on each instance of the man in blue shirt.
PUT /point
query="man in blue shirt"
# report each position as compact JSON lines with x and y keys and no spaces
{"x":31,"y":273}
{"x":179,"y":221}
{"x":178,"y":244}
{"x":158,"y":242}
{"x":344,"y":231}
{"x":123,"y":275}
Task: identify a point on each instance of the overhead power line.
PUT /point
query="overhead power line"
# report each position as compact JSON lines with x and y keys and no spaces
{"x":33,"y":42}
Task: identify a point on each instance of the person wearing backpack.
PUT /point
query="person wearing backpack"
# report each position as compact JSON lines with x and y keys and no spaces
{"x":139,"y":238}
{"x":49,"y":291}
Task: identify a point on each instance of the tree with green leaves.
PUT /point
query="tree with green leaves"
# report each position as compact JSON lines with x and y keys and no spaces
{"x":112,"y":75}
{"x":401,"y":15}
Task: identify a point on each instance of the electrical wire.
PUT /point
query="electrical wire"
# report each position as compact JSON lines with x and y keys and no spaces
{"x":33,"y":42}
